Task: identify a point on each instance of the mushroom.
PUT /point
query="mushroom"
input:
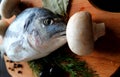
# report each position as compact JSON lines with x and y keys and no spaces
{"x":8,"y":8}
{"x":81,"y":33}
{"x":3,"y":27}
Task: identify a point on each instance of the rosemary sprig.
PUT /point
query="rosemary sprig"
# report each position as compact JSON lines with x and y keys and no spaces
{"x":66,"y":61}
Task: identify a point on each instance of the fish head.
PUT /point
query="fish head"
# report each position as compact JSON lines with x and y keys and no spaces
{"x":46,"y":29}
{"x":41,"y":33}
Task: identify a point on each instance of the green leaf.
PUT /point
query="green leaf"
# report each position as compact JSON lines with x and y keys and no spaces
{"x":56,"y":6}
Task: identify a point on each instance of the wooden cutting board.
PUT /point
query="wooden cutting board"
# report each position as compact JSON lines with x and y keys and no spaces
{"x":105,"y":58}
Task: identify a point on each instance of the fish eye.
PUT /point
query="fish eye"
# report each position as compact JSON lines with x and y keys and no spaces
{"x":48,"y":22}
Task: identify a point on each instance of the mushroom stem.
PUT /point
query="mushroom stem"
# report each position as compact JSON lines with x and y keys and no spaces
{"x":8,"y":8}
{"x":98,"y":30}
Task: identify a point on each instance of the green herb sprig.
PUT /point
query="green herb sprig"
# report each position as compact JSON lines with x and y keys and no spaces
{"x":65,"y":60}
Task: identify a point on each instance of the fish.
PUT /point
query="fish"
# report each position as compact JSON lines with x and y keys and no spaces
{"x":35,"y":33}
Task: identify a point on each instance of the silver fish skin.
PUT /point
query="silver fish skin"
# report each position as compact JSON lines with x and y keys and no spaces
{"x":35,"y":33}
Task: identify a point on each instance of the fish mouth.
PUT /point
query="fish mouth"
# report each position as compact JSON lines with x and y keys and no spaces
{"x":60,"y":34}
{"x":63,"y":33}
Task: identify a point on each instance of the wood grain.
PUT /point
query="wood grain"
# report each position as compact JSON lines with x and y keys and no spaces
{"x":25,"y":70}
{"x":105,"y":58}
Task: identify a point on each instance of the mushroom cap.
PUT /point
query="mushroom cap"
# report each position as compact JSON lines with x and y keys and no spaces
{"x":79,"y":33}
{"x":8,"y":8}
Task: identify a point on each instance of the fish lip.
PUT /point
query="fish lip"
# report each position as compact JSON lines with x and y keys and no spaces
{"x":60,"y":34}
{"x":63,"y":33}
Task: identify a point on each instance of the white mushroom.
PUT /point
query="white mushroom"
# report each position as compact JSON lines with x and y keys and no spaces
{"x":3,"y":27}
{"x":8,"y":8}
{"x":80,"y":33}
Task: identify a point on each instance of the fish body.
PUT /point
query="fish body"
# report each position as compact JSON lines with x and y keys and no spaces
{"x":35,"y":33}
